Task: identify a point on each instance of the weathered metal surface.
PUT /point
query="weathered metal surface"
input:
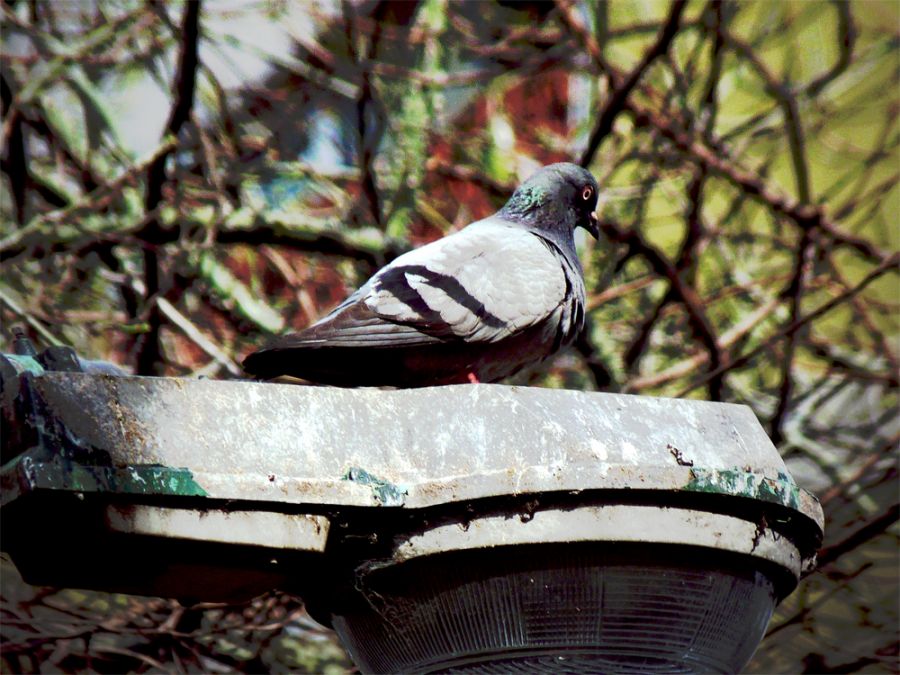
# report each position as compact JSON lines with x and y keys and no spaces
{"x":244,"y":480}
{"x":280,"y":456}
{"x":24,"y":363}
{"x":383,"y":491}
{"x":776,"y":490}
{"x":613,"y":523}
{"x":253,"y":528}
{"x":416,"y":448}
{"x":24,"y":474}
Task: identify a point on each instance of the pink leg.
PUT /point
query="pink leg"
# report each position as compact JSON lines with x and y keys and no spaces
{"x":473,"y":378}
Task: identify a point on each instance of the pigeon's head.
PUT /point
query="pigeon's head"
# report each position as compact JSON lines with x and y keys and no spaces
{"x":556,"y":199}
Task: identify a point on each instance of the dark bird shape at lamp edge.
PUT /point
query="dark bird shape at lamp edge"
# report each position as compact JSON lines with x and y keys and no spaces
{"x":501,"y":294}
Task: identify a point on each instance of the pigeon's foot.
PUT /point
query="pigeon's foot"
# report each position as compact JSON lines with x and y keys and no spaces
{"x":473,"y":378}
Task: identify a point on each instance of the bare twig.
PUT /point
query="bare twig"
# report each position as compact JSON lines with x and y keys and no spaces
{"x":842,"y":488}
{"x":196,"y":335}
{"x":621,"y":86}
{"x":149,"y":359}
{"x":805,"y":216}
{"x":794,"y":292}
{"x":685,"y":293}
{"x":39,"y":229}
{"x":871,"y":529}
{"x":691,"y":364}
{"x":888,"y":265}
{"x":39,"y":328}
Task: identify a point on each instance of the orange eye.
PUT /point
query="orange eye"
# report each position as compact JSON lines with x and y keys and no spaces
{"x":587,"y":193}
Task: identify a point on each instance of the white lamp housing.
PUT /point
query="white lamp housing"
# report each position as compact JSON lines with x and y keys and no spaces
{"x":473,"y":527}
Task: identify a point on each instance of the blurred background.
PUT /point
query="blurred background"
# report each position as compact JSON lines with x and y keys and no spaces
{"x":181,"y":181}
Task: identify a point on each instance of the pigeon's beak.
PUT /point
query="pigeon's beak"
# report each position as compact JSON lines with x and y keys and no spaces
{"x":593,"y":225}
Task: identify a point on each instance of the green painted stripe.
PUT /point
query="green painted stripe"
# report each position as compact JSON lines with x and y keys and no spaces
{"x":781,"y":490}
{"x":24,"y":474}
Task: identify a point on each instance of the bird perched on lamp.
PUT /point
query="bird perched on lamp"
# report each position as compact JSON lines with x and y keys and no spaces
{"x":501,"y":294}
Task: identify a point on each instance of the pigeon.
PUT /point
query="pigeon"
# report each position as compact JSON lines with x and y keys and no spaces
{"x":478,"y":305}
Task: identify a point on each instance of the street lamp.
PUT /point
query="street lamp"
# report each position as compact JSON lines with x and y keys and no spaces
{"x":472,"y":527}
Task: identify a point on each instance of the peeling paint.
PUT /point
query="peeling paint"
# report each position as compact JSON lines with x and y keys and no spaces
{"x":24,"y":364}
{"x":387,"y":493}
{"x":422,"y":447}
{"x":25,"y":474}
{"x":742,"y":484}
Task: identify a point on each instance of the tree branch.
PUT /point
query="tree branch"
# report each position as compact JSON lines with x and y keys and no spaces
{"x":149,"y":346}
{"x":742,"y":360}
{"x":685,"y":293}
{"x":621,"y":86}
{"x":723,"y":166}
{"x":870,"y":530}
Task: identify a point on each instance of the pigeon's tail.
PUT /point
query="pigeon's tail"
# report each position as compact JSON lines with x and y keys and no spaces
{"x":356,"y":366}
{"x":315,"y":365}
{"x":420,"y":364}
{"x":268,"y":364}
{"x":352,"y":347}
{"x":263,"y":365}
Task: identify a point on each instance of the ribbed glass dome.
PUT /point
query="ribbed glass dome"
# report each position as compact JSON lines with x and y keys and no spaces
{"x":561,"y":608}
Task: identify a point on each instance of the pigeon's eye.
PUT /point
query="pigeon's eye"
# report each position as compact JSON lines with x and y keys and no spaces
{"x":587,"y":193}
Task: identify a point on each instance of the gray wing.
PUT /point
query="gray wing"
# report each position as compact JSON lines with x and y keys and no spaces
{"x":487,"y":282}
{"x":483,"y":284}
